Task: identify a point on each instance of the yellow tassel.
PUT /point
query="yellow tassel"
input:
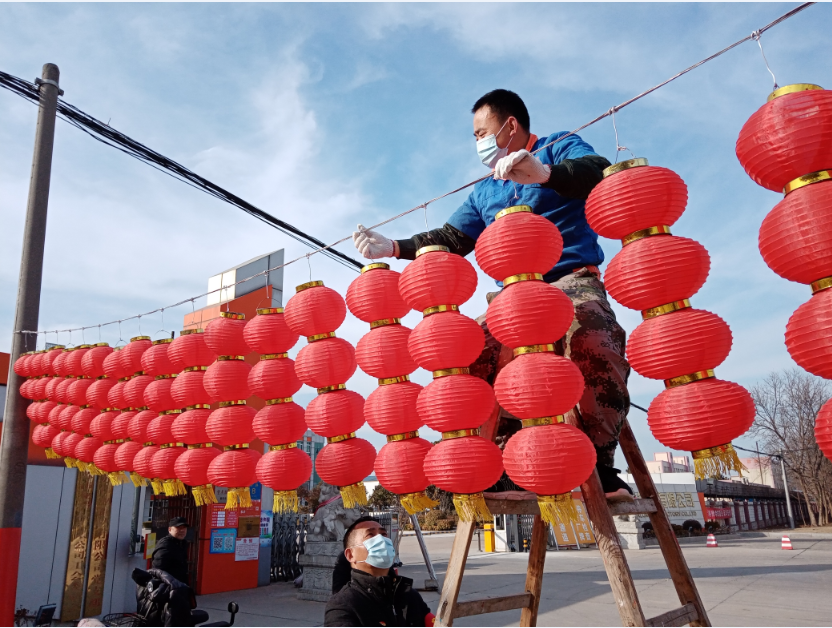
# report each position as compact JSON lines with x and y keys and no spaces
{"x":238,"y":498}
{"x":156,"y":485}
{"x":717,"y":462}
{"x":354,"y":495}
{"x":136,"y":479}
{"x":93,"y":470}
{"x":51,"y":455}
{"x":472,"y":507}
{"x":204,"y":495}
{"x":285,"y":501}
{"x":417,"y":502}
{"x":80,"y":465}
{"x":174,"y":487}
{"x":557,"y":508}
{"x":70,"y":462}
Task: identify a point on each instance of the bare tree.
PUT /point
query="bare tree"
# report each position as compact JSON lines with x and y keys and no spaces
{"x":787,"y":406}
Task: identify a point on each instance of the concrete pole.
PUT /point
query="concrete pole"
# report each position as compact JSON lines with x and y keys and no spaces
{"x":786,"y":485}
{"x":15,"y":440}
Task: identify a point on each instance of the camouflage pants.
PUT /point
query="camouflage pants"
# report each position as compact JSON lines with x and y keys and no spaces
{"x":595,"y":342}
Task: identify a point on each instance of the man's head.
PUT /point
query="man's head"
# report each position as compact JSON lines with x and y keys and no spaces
{"x":502,"y":113}
{"x":178,"y":527}
{"x":356,"y":553}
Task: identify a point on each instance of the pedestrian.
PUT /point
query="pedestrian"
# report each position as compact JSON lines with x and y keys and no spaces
{"x":375,"y":595}
{"x":171,"y":556}
{"x":555,"y":183}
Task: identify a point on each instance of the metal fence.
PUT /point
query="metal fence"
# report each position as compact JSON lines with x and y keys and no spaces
{"x":288,"y":542}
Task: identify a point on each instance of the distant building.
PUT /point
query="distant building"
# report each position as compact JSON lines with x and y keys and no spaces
{"x":666,"y":462}
{"x":312,"y":444}
{"x":763,"y":471}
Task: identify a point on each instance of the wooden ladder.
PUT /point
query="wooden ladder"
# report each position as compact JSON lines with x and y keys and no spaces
{"x":600,"y":513}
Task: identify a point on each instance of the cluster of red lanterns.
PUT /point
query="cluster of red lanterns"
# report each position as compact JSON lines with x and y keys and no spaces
{"x":786,"y":146}
{"x":547,"y":456}
{"x":455,"y":403}
{"x":280,"y":423}
{"x":657,"y":273}
{"x":40,"y":386}
{"x":326,"y":363}
{"x":391,"y":409}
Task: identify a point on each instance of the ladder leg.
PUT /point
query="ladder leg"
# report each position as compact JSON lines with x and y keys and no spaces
{"x":453,"y":576}
{"x":618,"y":571}
{"x":534,"y":575}
{"x":676,"y":563}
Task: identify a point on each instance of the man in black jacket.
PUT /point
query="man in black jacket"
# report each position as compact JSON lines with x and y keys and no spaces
{"x":171,"y":556}
{"x":374,"y":596}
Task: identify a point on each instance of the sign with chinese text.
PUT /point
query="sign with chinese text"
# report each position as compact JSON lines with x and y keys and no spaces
{"x":222,"y":518}
{"x":718,"y":513}
{"x":223,"y":541}
{"x":247,"y":549}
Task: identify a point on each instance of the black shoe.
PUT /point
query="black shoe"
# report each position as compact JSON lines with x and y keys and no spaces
{"x":614,"y":487}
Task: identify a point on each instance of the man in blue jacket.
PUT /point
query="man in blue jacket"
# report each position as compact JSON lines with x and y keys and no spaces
{"x":555,"y":182}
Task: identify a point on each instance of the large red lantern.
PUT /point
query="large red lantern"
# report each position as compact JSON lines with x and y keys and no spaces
{"x":315,"y":309}
{"x":137,"y":428}
{"x":274,"y":377}
{"x":539,"y":384}
{"x":85,"y":454}
{"x":808,"y":336}
{"x":391,"y":408}
{"x":529,"y":313}
{"x":163,"y":465}
{"x":43,"y":435}
{"x":192,"y":468}
{"x":188,"y":388}
{"x":279,"y":421}
{"x":446,"y":340}
{"x":325,"y":362}
{"x":130,"y":357}
{"x":267,"y":333}
{"x":236,"y":470}
{"x":124,"y":456}
{"x":823,"y":429}
{"x":449,"y":397}
{"x":132,"y":393}
{"x":189,"y":349}
{"x":399,"y":468}
{"x":143,"y":466}
{"x":375,"y":296}
{"x":227,"y":379}
{"x":69,"y":443}
{"x":92,"y":364}
{"x":788,"y":137}
{"x":383,"y":352}
{"x":518,"y":242}
{"x":99,"y":392}
{"x":437,"y":277}
{"x":344,"y":462}
{"x":231,"y":424}
{"x":156,"y":360}
{"x":224,"y":335}
{"x":335,"y":412}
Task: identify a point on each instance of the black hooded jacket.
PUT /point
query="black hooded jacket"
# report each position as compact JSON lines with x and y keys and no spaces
{"x":171,"y":555}
{"x":370,"y":601}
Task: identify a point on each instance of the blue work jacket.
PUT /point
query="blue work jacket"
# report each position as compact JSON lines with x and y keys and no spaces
{"x":580,"y":243}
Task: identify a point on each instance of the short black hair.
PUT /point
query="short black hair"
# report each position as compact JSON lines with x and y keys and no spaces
{"x":504,"y":103}
{"x":351,"y":529}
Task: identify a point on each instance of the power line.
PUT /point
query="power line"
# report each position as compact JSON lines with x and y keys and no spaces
{"x":80,"y":120}
{"x":109,"y":136}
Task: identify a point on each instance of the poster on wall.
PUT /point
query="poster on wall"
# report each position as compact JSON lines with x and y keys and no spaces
{"x":223,"y":541}
{"x":247,"y":549}
{"x":222,"y":518}
{"x":266,"y":518}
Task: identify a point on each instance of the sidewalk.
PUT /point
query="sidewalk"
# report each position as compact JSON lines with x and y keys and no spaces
{"x":746,"y":581}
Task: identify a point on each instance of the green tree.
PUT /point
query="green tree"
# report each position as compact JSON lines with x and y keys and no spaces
{"x":382,"y":499}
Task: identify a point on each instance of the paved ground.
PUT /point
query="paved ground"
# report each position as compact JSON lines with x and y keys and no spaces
{"x":744,"y":582}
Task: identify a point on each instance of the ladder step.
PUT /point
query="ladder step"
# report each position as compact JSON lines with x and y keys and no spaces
{"x":635,"y":507}
{"x":492,"y":605}
{"x":678,"y":617}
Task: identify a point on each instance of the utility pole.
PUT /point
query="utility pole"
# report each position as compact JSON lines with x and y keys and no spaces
{"x":786,"y":485}
{"x":14,"y":447}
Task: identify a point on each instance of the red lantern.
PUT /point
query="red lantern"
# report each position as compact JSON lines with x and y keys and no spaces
{"x":48,"y":362}
{"x":796,"y":236}
{"x":268,"y":334}
{"x":399,"y":468}
{"x":192,"y":468}
{"x":85,"y":454}
{"x":130,"y":357}
{"x":678,"y":343}
{"x":518,"y":241}
{"x":284,"y":470}
{"x":115,"y":397}
{"x":550,"y":460}
{"x":189,"y":349}
{"x":529,"y":313}
{"x":56,"y":416}
{"x":156,"y":361}
{"x":345,"y":464}
{"x":189,"y":427}
{"x":78,"y":419}
{"x":137,"y":428}
{"x":227,"y":379}
{"x":224,"y":335}
{"x":235,"y":470}
{"x":21,"y":365}
{"x":383,"y":352}
{"x":788,"y":137}
{"x":101,"y":424}
{"x":374,"y":296}
{"x":43,"y":411}
{"x":157,"y":395}
{"x":279,"y":423}
{"x":808,"y":336}
{"x":823,"y":429}
{"x":163,"y":464}
{"x":111,"y":365}
{"x":657,"y":270}
{"x":539,"y":385}
{"x":637,"y":198}
{"x":703,"y":417}
{"x":98,"y":393}
{"x":43,"y":435}
{"x":92,"y":364}
{"x":231,"y":424}
{"x":446,"y":340}
{"x":391,"y":408}
{"x":73,"y":361}
{"x":124,"y":457}
{"x":105,"y":461}
{"x":326,"y":362}
{"x":437,"y":277}
{"x":455,"y":401}
{"x":133,"y":392}
{"x":59,"y":363}
{"x":143,"y":466}
{"x":77,"y":391}
{"x":465,"y":466}
{"x":335,"y":413}
{"x":70,"y":442}
{"x":121,"y":424}
{"x":274,"y":377}
{"x":52,"y":387}
{"x":58,"y":446}
{"x":315,"y":309}
{"x":159,"y":429}
{"x":188,"y":389}
{"x":62,"y":390}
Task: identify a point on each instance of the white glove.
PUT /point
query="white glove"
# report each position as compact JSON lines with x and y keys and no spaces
{"x":522,"y":167}
{"x":372,"y":244}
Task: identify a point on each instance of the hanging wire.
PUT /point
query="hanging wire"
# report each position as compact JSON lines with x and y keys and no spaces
{"x":756,"y":36}
{"x":309,"y":263}
{"x":618,"y":147}
{"x":29,"y":91}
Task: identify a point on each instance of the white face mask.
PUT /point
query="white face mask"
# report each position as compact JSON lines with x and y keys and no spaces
{"x":488,"y":150}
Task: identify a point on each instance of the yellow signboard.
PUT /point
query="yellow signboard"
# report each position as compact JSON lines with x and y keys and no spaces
{"x":580,"y":532}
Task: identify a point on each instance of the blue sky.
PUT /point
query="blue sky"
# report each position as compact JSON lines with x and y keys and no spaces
{"x":329,"y":115}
